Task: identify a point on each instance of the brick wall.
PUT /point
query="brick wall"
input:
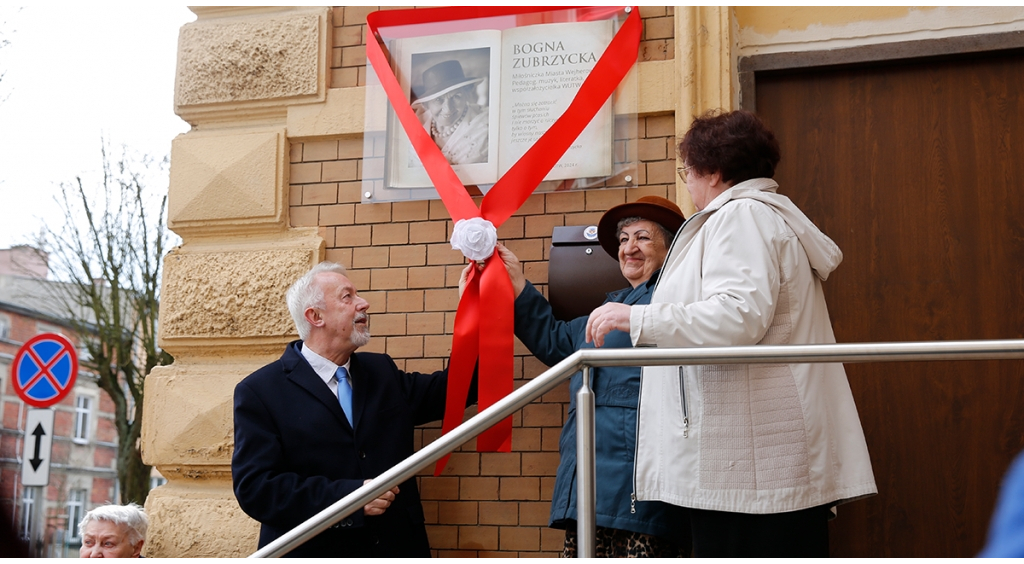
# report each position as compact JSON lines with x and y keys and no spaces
{"x":485,"y":504}
{"x":348,"y":53}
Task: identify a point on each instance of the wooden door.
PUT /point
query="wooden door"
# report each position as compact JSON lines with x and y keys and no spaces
{"x":916,"y":170}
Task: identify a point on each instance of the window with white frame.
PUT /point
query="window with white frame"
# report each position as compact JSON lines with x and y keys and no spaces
{"x":156,"y":481}
{"x":5,"y":327}
{"x":83,"y":351}
{"x":28,"y":505}
{"x":83,"y":409}
{"x":76,"y":510}
{"x":46,"y":328}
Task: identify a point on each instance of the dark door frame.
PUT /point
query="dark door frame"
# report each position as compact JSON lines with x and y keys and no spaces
{"x":749,"y":66}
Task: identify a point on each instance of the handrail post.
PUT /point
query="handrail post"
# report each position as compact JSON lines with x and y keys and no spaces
{"x":586,"y":512}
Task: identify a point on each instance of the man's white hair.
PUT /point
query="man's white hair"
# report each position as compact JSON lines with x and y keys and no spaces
{"x":304,"y":294}
{"x":131,"y":516}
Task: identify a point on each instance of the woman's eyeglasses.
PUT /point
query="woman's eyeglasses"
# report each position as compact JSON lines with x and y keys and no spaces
{"x":683,"y":171}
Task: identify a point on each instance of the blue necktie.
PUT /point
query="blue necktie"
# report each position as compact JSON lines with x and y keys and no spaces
{"x":344,"y":392}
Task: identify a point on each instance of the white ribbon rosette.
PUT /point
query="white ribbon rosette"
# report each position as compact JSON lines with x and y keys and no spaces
{"x":475,"y":237}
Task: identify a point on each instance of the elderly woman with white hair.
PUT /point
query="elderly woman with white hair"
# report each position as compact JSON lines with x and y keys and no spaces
{"x":114,"y":531}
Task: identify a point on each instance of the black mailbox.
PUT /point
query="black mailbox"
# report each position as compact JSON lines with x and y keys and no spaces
{"x":580,"y":272}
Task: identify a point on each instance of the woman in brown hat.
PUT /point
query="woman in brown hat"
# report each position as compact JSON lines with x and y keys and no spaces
{"x":638,"y":235}
{"x":448,"y":110}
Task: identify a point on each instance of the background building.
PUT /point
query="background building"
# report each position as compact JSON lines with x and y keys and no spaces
{"x":900,"y":128}
{"x":82,"y":468}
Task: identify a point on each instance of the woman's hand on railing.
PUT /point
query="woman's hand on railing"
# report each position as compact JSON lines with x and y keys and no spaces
{"x":381,"y":504}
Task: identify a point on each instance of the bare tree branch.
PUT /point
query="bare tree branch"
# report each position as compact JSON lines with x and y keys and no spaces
{"x":110,"y":252}
{"x":5,"y":33}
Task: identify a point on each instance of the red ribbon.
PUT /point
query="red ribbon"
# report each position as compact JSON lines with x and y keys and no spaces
{"x":487,"y":336}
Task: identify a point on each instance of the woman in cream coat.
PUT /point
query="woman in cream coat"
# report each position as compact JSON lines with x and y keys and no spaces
{"x":760,"y":453}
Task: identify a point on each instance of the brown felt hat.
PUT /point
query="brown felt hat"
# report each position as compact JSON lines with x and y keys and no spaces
{"x":651,"y":208}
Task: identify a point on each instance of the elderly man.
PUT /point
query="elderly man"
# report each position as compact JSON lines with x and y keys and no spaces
{"x":315,"y":425}
{"x":113,"y":531}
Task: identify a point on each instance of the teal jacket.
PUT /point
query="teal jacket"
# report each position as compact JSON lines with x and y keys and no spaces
{"x":616,"y":393}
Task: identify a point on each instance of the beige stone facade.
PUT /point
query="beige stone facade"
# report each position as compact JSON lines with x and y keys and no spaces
{"x":267,"y":183}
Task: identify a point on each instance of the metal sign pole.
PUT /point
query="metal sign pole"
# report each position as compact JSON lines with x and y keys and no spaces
{"x":35,"y":542}
{"x":35,"y":470}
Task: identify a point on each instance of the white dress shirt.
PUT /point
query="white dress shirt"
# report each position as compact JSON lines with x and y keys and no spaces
{"x":325,"y":369}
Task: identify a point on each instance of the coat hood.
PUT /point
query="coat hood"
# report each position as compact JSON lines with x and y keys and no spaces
{"x":823,"y":253}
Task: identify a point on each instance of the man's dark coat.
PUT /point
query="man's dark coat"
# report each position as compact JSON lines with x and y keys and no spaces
{"x":296,"y":454}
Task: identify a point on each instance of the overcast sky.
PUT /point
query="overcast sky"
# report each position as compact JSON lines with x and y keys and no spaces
{"x":75,"y":73}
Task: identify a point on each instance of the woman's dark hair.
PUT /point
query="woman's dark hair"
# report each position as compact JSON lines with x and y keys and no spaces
{"x":736,"y":144}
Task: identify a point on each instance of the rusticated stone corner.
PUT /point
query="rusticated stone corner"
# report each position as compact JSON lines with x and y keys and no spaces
{"x":198,"y":522}
{"x":234,"y":179}
{"x":198,"y":430}
{"x":254,"y":58}
{"x":229,"y":294}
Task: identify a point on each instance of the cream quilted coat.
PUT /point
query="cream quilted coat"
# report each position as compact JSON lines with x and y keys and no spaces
{"x":763,"y":438}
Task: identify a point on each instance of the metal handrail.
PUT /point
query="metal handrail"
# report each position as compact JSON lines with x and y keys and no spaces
{"x":545,"y":382}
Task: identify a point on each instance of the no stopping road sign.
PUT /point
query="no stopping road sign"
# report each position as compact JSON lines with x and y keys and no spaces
{"x":44,"y":369}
